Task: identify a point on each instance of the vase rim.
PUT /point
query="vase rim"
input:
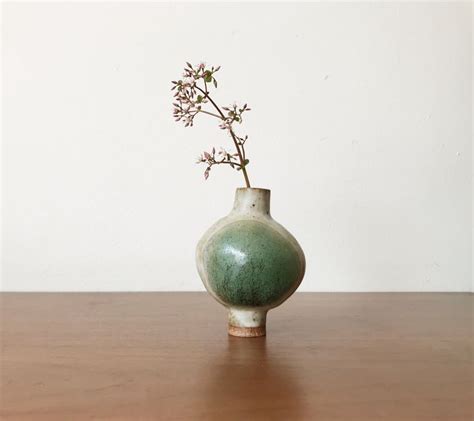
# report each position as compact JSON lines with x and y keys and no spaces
{"x":252,"y":188}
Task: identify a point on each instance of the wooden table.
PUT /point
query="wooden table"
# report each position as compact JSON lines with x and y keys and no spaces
{"x":167,"y":356}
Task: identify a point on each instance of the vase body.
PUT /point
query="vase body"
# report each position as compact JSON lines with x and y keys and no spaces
{"x":249,"y":262}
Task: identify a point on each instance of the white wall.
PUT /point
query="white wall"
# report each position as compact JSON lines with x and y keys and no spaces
{"x":360,"y":125}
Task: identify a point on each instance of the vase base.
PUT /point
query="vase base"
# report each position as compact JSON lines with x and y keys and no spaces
{"x":247,"y":332}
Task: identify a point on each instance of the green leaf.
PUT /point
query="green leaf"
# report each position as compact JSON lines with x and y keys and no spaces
{"x":199,"y":99}
{"x":207,"y":76}
{"x":215,"y":83}
{"x":246,"y":162}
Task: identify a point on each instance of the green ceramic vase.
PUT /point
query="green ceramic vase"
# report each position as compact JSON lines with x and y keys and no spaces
{"x":249,"y":262}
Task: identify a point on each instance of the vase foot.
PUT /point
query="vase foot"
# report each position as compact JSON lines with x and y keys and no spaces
{"x":247,"y":332}
{"x":247,"y":323}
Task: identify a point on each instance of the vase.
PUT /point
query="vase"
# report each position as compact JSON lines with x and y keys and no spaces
{"x":249,"y":262}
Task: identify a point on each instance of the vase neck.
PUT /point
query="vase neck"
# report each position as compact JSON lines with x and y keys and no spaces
{"x":253,"y":201}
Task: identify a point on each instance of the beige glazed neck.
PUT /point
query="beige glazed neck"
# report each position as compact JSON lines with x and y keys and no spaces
{"x":252,"y":201}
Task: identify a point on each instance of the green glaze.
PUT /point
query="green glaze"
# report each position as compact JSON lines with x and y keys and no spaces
{"x":250,"y":264}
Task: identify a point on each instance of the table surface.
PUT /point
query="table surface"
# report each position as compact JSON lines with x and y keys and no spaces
{"x":167,"y":356}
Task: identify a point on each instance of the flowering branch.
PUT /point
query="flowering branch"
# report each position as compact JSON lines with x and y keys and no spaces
{"x":190,"y":100}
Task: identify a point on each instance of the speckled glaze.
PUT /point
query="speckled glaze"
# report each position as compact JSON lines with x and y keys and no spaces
{"x":249,"y":262}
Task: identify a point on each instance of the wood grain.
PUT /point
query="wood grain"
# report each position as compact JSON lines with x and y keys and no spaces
{"x":167,"y":356}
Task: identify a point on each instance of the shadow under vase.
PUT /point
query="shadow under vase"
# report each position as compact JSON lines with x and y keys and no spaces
{"x":247,"y":379}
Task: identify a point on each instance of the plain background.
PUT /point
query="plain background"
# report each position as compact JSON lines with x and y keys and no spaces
{"x":360,"y":124}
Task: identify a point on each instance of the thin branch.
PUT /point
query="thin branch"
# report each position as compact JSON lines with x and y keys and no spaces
{"x":207,"y":112}
{"x":244,"y":171}
{"x":206,"y":94}
{"x":227,"y":162}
